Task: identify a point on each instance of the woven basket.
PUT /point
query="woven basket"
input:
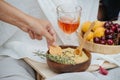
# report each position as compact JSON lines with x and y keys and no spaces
{"x":99,"y":48}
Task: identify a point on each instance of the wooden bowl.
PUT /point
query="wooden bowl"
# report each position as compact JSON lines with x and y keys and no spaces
{"x":64,"y":68}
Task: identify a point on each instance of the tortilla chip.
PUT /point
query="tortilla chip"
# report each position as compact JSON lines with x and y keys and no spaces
{"x":55,"y":50}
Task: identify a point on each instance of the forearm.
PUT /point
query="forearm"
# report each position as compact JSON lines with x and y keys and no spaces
{"x":12,"y":15}
{"x":36,"y":28}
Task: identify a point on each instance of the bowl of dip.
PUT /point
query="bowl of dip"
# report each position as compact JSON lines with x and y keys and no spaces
{"x":62,"y":59}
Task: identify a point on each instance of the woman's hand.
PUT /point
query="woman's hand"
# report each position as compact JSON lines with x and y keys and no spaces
{"x":36,"y":28}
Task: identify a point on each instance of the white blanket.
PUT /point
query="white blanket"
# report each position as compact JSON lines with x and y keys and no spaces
{"x":113,"y":75}
{"x":17,"y":44}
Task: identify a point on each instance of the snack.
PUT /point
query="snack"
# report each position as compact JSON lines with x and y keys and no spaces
{"x":55,"y":50}
{"x":66,"y":56}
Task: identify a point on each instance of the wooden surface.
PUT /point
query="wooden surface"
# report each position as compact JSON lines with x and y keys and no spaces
{"x":44,"y":72}
{"x":40,"y":68}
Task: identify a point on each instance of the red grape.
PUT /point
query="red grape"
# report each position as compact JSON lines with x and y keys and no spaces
{"x":96,"y":40}
{"x":118,"y":30}
{"x":116,"y":25}
{"x":108,"y":24}
{"x":110,"y":42}
{"x":103,"y":42}
{"x":107,"y":32}
{"x":103,"y":38}
{"x":111,"y":31}
{"x":113,"y":28}
{"x":109,"y":36}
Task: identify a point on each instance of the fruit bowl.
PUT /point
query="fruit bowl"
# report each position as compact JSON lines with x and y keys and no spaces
{"x":64,"y":68}
{"x":100,"y":47}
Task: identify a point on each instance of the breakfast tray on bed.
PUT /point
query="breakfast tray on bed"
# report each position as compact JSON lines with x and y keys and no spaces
{"x":44,"y":72}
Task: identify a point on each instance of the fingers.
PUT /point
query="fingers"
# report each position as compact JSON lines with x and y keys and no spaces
{"x":43,"y":28}
{"x":48,"y":36}
{"x":39,"y":37}
{"x":33,"y":35}
{"x":52,"y":32}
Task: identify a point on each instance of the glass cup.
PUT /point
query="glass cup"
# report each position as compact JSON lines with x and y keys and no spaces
{"x":68,"y":18}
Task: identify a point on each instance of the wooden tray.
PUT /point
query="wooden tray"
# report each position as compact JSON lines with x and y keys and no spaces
{"x":45,"y":73}
{"x":99,"y":48}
